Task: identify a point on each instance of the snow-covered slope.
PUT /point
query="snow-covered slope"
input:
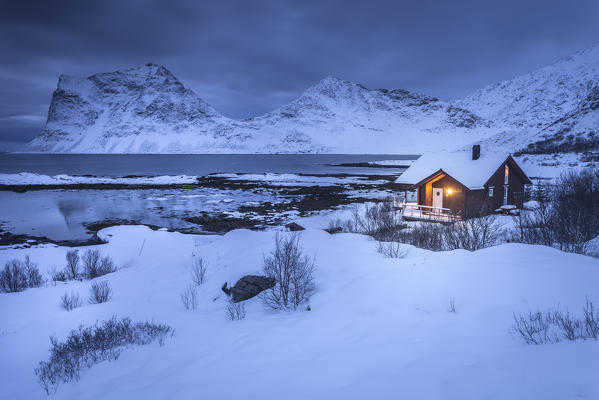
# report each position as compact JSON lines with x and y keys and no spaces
{"x":554,"y":104}
{"x":378,"y":327}
{"x":341,"y":116}
{"x":143,"y":109}
{"x":147,"y":110}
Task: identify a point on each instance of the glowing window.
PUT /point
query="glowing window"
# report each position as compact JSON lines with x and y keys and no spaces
{"x":507,"y":174}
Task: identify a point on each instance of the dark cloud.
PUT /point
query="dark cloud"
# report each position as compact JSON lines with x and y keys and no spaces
{"x":249,"y":57}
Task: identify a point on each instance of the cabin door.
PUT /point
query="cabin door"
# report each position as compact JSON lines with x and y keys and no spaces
{"x":438,"y":197}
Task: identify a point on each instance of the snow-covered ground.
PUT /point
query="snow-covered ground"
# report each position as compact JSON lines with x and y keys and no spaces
{"x":27,"y":178}
{"x":392,"y":163}
{"x":551,"y":166}
{"x":299,"y":180}
{"x":378,"y":327}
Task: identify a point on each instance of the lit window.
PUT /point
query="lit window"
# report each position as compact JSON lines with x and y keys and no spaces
{"x":507,"y":174}
{"x":491,"y":191}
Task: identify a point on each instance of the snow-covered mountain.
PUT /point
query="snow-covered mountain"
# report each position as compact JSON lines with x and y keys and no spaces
{"x":552,"y":109}
{"x":148,"y":110}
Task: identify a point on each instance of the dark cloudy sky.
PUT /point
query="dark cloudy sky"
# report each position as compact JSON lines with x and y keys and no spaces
{"x":248,"y":57}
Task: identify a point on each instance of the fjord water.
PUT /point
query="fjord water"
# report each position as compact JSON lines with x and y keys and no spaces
{"x":62,"y":214}
{"x":119,"y":165}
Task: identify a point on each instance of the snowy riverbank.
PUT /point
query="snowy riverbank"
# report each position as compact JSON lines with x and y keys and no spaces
{"x":377,"y":326}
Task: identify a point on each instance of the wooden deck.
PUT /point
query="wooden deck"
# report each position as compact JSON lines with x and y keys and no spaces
{"x":416,"y":212}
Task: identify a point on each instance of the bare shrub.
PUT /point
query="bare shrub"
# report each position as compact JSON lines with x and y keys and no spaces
{"x":34,"y":278}
{"x":472,"y":233}
{"x":235,"y":311}
{"x":198,"y":270}
{"x":189,"y":297}
{"x":534,"y":328}
{"x":19,"y":275}
{"x":100,"y":292}
{"x":571,"y":327}
{"x":554,"y":325}
{"x":469,"y":234}
{"x":87,"y":346}
{"x":379,"y":220}
{"x":591,"y":319}
{"x":425,"y":235}
{"x":58,"y":275}
{"x":12,"y":277}
{"x":292,"y":271}
{"x":106,"y":265}
{"x":392,"y":249}
{"x":533,"y":227}
{"x":91,"y":263}
{"x":71,"y":270}
{"x":451,"y":308}
{"x":95,"y":265}
{"x":70,"y":301}
{"x":574,"y":211}
{"x":566,"y":213}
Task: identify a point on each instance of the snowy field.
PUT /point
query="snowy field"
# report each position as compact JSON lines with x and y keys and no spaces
{"x":377,"y":328}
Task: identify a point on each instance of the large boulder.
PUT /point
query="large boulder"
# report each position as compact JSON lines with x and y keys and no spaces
{"x":248,"y":287}
{"x":294,"y":227}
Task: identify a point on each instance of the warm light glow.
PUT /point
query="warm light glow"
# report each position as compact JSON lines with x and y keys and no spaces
{"x":449,"y":191}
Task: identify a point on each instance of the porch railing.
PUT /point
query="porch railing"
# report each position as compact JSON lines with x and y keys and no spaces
{"x":414,"y":211}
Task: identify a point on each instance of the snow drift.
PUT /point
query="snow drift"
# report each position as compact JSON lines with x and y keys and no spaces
{"x":377,"y":327}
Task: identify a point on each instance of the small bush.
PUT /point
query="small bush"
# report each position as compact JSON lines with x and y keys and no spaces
{"x":392,"y":249}
{"x":553,"y":326}
{"x":91,"y":265}
{"x":189,"y":297}
{"x":19,"y":275}
{"x":69,"y":302}
{"x":100,"y":292}
{"x":235,"y":311}
{"x":566,"y":214}
{"x":72,"y":269}
{"x":425,"y":235}
{"x":85,"y":347}
{"x":34,"y":278}
{"x":198,"y":270}
{"x":292,"y":271}
{"x":379,"y":220}
{"x":452,"y":308}
{"x":59,"y":275}
{"x":95,"y":265}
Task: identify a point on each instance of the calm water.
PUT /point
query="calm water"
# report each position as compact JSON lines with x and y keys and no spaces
{"x":62,"y":214}
{"x":189,"y":164}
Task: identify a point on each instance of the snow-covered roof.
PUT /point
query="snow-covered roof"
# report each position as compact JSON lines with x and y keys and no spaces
{"x":459,"y":165}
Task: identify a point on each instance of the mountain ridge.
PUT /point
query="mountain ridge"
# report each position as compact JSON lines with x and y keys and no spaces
{"x":146,"y":109}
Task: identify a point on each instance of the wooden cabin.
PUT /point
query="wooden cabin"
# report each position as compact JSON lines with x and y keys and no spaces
{"x":464,"y":184}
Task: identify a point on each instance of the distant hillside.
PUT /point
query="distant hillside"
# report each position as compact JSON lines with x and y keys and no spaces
{"x":553,"y":109}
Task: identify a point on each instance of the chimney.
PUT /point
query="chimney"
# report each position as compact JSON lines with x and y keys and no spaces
{"x":476,"y":152}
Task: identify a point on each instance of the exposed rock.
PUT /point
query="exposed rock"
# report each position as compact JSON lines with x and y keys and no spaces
{"x":248,"y":287}
{"x":294,"y":227}
{"x":334,"y":229}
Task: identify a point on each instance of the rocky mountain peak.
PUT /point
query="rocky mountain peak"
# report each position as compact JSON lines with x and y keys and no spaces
{"x":147,"y":109}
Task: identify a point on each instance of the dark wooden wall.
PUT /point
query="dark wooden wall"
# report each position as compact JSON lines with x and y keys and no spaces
{"x":516,"y":184}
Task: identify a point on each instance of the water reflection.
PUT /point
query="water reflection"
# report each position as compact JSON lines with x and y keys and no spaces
{"x":64,"y":214}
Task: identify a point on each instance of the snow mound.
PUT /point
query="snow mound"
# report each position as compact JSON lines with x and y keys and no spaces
{"x":376,"y":326}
